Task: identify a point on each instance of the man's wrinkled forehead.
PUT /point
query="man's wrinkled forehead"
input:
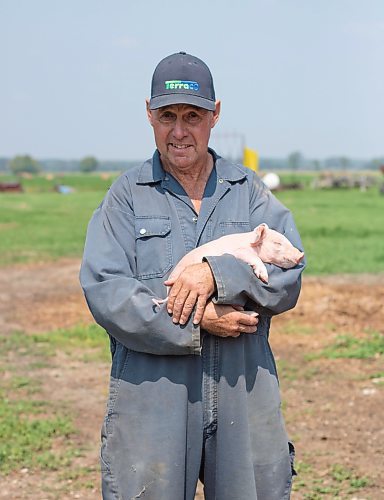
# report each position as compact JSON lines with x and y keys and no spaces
{"x":182,"y":107}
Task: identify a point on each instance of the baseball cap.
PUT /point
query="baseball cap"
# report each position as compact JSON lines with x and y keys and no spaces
{"x":182,"y":79}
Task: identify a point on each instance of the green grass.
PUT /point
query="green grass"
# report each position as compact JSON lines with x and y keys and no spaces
{"x":37,"y":227}
{"x":27,"y":435}
{"x":342,"y":230}
{"x":90,"y":341}
{"x":84,"y":339}
{"x":348,"y":346}
{"x":339,"y":482}
{"x":29,"y":426}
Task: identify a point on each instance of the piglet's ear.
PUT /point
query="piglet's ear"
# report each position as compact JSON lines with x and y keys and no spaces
{"x":259,"y":233}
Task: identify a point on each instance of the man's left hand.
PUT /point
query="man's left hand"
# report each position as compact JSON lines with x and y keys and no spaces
{"x":193,"y":287}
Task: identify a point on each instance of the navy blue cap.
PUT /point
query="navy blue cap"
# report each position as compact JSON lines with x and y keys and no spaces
{"x":182,"y":79}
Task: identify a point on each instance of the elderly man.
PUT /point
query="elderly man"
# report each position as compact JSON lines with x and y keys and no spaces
{"x":193,"y":387}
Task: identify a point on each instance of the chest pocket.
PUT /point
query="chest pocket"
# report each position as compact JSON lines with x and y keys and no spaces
{"x":153,"y":246}
{"x":231,"y":227}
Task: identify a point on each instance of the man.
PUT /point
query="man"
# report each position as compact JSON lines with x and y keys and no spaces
{"x":193,"y":388}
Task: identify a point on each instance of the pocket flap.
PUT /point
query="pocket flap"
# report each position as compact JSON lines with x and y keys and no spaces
{"x":152,"y":226}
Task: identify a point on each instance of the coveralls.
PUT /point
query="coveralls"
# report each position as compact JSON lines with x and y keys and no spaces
{"x":177,"y":393}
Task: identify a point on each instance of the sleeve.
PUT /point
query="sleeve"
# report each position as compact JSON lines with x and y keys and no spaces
{"x":119,"y":302}
{"x":235,"y":281}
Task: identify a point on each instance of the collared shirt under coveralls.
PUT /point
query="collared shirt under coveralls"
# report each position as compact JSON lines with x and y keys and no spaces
{"x":178,"y":393}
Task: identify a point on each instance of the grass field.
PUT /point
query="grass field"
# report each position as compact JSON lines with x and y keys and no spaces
{"x":52,"y":395}
{"x":342,"y":230}
{"x":37,"y":434}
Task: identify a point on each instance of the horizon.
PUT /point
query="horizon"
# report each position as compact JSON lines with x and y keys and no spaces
{"x":291,"y":76}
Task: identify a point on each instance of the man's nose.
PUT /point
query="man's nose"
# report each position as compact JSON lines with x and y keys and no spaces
{"x":179,"y":130}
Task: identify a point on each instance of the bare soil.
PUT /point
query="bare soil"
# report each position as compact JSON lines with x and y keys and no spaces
{"x":334,"y":408}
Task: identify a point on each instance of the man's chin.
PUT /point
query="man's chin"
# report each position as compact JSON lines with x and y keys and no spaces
{"x":180,"y":153}
{"x":182,"y":160}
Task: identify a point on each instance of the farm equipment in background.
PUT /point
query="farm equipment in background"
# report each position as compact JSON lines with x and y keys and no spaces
{"x":331,"y":180}
{"x":11,"y":187}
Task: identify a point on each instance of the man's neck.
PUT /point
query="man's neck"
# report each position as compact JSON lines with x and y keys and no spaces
{"x":195,"y":173}
{"x":194,"y":180}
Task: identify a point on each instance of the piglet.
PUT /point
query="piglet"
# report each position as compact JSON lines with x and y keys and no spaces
{"x":262,"y":245}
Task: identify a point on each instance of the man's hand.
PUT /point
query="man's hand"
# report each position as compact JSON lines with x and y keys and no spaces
{"x":228,"y":321}
{"x":195,"y":285}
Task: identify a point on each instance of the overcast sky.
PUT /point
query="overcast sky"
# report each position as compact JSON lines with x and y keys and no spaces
{"x":291,"y":74}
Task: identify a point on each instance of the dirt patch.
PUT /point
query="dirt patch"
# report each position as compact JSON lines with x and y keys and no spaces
{"x":333,"y":408}
{"x":41,"y":297}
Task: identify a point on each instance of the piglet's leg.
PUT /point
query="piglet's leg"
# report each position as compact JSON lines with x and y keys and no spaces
{"x":249,"y":256}
{"x":158,"y":302}
{"x":260,"y":271}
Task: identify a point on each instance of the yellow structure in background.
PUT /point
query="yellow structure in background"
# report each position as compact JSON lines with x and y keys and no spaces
{"x":251,"y":159}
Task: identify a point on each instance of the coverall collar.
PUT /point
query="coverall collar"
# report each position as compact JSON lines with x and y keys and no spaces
{"x":152,"y":172}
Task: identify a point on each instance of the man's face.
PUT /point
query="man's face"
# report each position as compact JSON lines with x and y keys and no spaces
{"x":182,"y":133}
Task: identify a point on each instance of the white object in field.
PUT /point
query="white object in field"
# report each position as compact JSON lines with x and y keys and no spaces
{"x":271,"y":180}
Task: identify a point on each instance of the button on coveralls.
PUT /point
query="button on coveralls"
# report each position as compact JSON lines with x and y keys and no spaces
{"x":183,"y":402}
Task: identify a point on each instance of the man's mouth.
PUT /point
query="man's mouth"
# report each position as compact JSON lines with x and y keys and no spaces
{"x":179,"y":146}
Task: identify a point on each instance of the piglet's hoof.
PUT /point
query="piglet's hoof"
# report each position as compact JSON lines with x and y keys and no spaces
{"x":158,"y":302}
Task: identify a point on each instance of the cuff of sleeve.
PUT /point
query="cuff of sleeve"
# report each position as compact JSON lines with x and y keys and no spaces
{"x":230,"y":275}
{"x":196,"y":342}
{"x":219,"y":296}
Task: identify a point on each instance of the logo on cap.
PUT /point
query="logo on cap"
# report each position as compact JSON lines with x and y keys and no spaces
{"x":181,"y":84}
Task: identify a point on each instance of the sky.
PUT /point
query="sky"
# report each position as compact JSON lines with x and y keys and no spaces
{"x":292,"y":75}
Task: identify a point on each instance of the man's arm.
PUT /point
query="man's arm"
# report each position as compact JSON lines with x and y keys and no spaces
{"x":118,"y":301}
{"x":235,"y":282}
{"x":228,"y":321}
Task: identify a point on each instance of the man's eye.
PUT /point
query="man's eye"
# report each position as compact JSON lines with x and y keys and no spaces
{"x":193,"y":117}
{"x":166,"y":117}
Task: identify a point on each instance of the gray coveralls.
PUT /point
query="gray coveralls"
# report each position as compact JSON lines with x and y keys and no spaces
{"x":183,"y":402}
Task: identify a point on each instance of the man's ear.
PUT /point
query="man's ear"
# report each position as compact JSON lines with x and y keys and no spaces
{"x":216,"y":113}
{"x":149,"y":112}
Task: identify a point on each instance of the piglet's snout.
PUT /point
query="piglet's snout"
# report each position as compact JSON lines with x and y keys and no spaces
{"x":292,"y":258}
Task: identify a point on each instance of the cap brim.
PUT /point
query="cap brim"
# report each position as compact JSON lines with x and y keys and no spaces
{"x":169,"y":99}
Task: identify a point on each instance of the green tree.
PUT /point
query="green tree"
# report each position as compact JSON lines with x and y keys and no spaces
{"x":376,"y":163}
{"x":316,"y":164}
{"x":295,"y":160}
{"x":344,"y":162}
{"x":24,"y":165}
{"x":88,"y":164}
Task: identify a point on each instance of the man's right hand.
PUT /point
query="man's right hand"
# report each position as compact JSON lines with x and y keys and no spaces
{"x":228,"y":321}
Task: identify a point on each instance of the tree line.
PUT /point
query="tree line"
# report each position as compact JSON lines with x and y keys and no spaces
{"x":25,"y":164}
{"x":21,"y":164}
